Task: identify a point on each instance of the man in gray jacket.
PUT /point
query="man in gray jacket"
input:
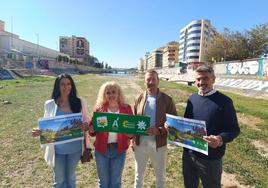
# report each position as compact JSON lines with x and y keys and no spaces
{"x":155,"y":104}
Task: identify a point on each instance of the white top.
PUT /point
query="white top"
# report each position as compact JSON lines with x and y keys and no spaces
{"x":112,"y":137}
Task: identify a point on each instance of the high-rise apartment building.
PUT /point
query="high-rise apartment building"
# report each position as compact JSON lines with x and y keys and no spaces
{"x":146,"y":60}
{"x":141,"y":64}
{"x":170,"y":54}
{"x":76,"y":47}
{"x":195,"y":38}
{"x":154,"y":59}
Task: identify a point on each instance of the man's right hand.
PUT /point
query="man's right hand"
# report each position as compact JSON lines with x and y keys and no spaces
{"x":36,"y":132}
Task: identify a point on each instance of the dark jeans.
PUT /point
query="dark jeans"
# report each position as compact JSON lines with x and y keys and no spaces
{"x":207,"y":169}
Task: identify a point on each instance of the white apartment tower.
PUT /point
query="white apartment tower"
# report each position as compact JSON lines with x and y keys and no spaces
{"x":194,"y":40}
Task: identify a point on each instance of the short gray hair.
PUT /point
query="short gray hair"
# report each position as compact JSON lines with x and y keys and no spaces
{"x":205,"y":68}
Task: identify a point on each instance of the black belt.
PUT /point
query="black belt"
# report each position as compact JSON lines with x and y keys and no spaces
{"x":112,"y":144}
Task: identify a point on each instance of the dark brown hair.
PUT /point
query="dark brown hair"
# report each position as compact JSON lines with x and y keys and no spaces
{"x":75,"y":102}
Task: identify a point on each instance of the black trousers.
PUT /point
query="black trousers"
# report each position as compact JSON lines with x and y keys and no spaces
{"x":209,"y":171}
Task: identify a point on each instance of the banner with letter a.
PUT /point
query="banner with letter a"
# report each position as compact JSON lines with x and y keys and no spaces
{"x":120,"y":123}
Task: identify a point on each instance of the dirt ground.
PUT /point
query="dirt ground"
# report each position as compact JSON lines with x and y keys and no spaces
{"x":229,"y":181}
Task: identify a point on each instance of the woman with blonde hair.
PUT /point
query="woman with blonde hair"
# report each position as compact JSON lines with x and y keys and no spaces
{"x":110,"y":148}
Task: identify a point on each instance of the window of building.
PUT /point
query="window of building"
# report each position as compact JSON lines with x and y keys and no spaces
{"x":194,"y":50}
{"x":196,"y":25}
{"x":193,"y":38}
{"x":193,"y":57}
{"x":193,"y":44}
{"x":195,"y":31}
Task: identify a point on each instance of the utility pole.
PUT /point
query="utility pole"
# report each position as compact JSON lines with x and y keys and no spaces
{"x":12,"y":32}
{"x":37,"y":38}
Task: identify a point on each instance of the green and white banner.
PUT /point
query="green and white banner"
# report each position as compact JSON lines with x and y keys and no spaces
{"x":120,"y":123}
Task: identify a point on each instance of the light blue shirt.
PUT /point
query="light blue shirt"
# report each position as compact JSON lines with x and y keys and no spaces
{"x":150,"y":111}
{"x":70,"y":147}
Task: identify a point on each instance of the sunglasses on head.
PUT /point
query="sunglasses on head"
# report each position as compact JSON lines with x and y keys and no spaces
{"x":110,"y":92}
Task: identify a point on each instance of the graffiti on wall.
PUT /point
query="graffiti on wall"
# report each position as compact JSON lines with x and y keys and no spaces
{"x":244,"y":68}
{"x":258,"y":67}
{"x":42,"y":64}
{"x":29,"y":65}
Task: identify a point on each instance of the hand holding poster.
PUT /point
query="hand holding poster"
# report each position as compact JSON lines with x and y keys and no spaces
{"x":120,"y":123}
{"x":60,"y":129}
{"x":187,"y":133}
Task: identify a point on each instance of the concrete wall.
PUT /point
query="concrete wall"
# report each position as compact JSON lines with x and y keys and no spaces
{"x":10,"y":42}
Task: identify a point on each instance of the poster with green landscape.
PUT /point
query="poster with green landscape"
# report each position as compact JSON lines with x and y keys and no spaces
{"x":187,"y":133}
{"x":60,"y":129}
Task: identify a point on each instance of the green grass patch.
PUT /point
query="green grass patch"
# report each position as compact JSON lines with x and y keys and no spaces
{"x":243,"y":159}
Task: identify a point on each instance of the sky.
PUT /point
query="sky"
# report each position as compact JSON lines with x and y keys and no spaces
{"x":120,"y":32}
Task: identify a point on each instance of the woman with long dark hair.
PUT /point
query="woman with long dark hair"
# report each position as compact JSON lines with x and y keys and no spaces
{"x":64,"y":157}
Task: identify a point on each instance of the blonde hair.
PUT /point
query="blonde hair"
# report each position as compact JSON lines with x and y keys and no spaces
{"x":101,"y":99}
